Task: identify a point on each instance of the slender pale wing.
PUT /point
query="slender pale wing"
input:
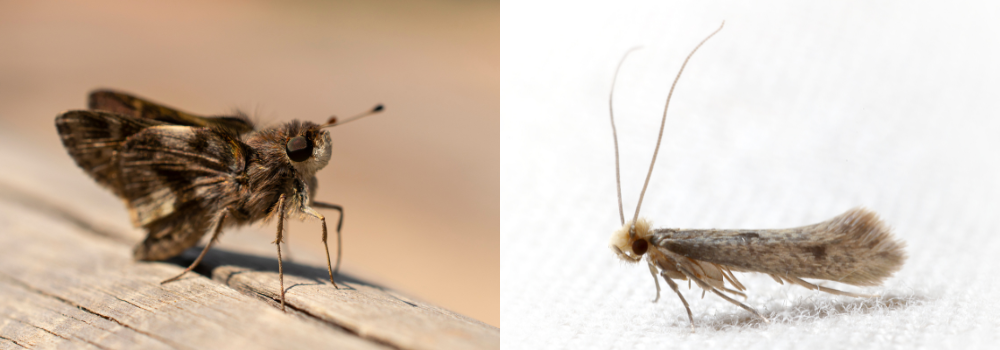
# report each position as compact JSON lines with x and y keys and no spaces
{"x":854,"y":248}
{"x":136,"y":107}
{"x":173,"y":178}
{"x":93,"y":137}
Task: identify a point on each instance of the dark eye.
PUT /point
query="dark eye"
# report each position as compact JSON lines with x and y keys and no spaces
{"x":639,"y":247}
{"x":299,"y":148}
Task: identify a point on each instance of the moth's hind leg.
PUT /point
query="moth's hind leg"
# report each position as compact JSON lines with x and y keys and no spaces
{"x":220,"y":218}
{"x":332,"y":269}
{"x":744,"y":306}
{"x":735,"y":292}
{"x":799,"y":281}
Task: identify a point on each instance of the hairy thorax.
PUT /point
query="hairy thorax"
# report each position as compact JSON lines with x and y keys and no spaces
{"x":269,"y":172}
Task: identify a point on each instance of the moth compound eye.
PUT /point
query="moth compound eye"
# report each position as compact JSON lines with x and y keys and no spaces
{"x":639,"y":247}
{"x":299,"y":148}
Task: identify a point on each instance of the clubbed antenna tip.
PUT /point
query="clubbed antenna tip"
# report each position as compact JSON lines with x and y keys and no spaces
{"x":334,"y":122}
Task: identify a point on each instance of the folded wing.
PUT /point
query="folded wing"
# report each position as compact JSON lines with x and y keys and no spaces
{"x":136,"y":107}
{"x":174,"y":180}
{"x":93,"y":137}
{"x":854,"y":248}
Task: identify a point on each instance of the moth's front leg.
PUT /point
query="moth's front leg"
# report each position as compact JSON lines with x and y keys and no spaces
{"x":652,"y":271}
{"x":673,"y":285}
{"x":340,"y":222}
{"x":280,"y":207}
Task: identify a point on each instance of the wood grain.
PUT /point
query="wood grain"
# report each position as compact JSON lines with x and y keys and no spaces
{"x":68,"y":281}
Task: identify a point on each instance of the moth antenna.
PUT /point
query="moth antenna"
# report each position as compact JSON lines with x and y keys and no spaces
{"x":614,"y":133}
{"x":664,"y":121}
{"x":334,"y":122}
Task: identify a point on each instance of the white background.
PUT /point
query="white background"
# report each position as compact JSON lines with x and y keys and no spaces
{"x":794,"y":113}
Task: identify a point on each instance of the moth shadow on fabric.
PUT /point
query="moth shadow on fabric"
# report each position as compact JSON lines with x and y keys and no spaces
{"x":813,"y":308}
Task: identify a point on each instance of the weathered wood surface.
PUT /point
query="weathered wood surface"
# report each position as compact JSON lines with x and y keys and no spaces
{"x":67,"y":280}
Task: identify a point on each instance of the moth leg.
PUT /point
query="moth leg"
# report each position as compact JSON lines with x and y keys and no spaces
{"x":652,"y":271}
{"x":288,"y":246}
{"x":735,"y":292}
{"x":220,"y":218}
{"x":799,"y":281}
{"x":277,"y":242}
{"x":744,"y":306}
{"x":673,"y":285}
{"x":732,"y":279}
{"x":322,"y":220}
{"x":705,"y":285}
{"x":340,"y":223}
{"x":728,"y":276}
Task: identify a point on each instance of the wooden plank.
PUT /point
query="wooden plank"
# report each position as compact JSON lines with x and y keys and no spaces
{"x":364,"y":309}
{"x":360,"y":307}
{"x":54,"y":260}
{"x":52,"y":320}
{"x":72,"y":283}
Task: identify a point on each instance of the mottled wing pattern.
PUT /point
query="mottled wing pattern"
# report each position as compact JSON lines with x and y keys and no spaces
{"x":854,"y":248}
{"x":171,"y":177}
{"x":93,"y":137}
{"x":136,"y":107}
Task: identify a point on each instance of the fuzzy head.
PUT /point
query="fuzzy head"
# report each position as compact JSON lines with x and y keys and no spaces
{"x":308,"y":147}
{"x":629,"y":241}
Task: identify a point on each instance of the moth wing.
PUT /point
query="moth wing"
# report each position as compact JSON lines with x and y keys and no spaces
{"x":93,"y":137}
{"x":137,"y":107}
{"x":854,"y":248}
{"x":174,"y":180}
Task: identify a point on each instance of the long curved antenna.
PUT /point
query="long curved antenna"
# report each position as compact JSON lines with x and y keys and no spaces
{"x":664,"y":122}
{"x":614,"y":132}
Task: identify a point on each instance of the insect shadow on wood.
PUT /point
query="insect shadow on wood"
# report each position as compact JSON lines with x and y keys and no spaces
{"x":183,"y":175}
{"x":854,"y":248}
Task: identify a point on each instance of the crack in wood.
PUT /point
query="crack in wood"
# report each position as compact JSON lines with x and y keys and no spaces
{"x":43,"y":329}
{"x":411,"y":329}
{"x":85,"y":322}
{"x":274,"y":301}
{"x":13,"y":341}
{"x":129,"y":302}
{"x":336,"y":325}
{"x":28,"y":287}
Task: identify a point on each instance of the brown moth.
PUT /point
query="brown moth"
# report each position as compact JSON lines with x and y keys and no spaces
{"x":181,"y":175}
{"x":854,"y":248}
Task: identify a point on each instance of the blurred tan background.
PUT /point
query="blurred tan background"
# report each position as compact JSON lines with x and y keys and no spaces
{"x":419,"y":183}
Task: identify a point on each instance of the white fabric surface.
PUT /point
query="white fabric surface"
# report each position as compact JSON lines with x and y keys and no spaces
{"x":794,"y":113}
